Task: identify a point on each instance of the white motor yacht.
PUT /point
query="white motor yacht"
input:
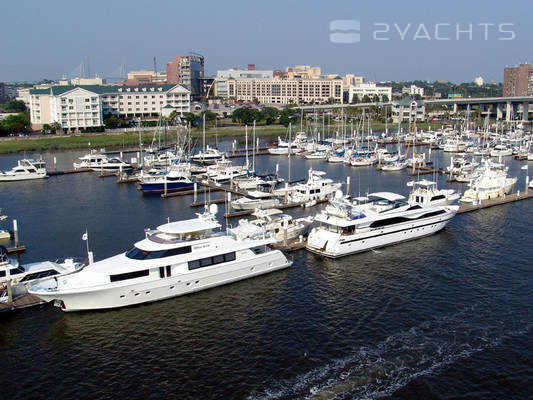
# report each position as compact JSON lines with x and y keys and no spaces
{"x":175,"y":259}
{"x":316,"y":188}
{"x":254,"y":181}
{"x":281,"y":226}
{"x":256,"y":199}
{"x":209,"y":156}
{"x":91,"y":160}
{"x":491,"y":181}
{"x":21,"y":277}
{"x":381,"y":219}
{"x":26,"y":169}
{"x":501,"y":150}
{"x":283,"y":147}
{"x":425,"y":192}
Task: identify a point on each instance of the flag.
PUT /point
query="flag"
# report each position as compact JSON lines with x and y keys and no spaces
{"x":84,"y":236}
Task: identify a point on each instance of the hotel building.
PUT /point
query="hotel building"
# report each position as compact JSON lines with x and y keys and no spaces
{"x":80,"y":107}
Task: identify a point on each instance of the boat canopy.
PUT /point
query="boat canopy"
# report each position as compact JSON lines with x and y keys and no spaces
{"x":387,"y":196}
{"x":188,"y":226}
{"x":266,"y":213}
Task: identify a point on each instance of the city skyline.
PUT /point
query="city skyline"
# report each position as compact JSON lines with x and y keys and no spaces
{"x":395,"y":44}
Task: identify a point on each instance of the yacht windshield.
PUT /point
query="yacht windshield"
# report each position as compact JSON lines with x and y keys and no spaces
{"x":138,"y":254}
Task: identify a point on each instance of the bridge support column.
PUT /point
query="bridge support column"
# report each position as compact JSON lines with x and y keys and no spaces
{"x":499,"y":111}
{"x":455,"y":108}
{"x":525,"y":111}
{"x":509,"y":111}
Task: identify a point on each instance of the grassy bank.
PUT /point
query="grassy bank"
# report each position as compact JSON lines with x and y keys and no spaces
{"x":114,"y":140}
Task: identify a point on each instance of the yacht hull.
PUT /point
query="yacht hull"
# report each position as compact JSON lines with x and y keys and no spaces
{"x":21,"y":177}
{"x":171,"y":187}
{"x":107,"y":297}
{"x":330,"y":245}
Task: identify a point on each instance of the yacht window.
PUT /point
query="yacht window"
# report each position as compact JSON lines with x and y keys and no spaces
{"x":229,"y":257}
{"x":161,"y":272}
{"x":415,"y":207}
{"x":38,"y":275}
{"x":218,"y":259}
{"x":438,"y":197}
{"x":129,"y":275}
{"x":138,"y":254}
{"x":169,"y":270}
{"x":205,"y":262}
{"x":433,"y":214}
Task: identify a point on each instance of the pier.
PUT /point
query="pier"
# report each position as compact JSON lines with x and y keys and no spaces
{"x":510,"y":198}
{"x":69,"y":171}
{"x":21,"y":302}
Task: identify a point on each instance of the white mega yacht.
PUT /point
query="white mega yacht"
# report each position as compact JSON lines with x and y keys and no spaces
{"x":26,"y":169}
{"x":175,"y":259}
{"x":380,"y":219}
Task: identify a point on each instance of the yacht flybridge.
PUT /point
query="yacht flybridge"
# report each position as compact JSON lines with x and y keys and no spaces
{"x":175,"y":259}
{"x":378,"y":220}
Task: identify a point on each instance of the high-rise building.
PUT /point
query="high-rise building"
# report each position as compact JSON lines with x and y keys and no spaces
{"x":516,"y":80}
{"x":2,"y":91}
{"x":187,"y":71}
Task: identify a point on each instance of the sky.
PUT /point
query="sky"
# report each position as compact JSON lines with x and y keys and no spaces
{"x":49,"y":39}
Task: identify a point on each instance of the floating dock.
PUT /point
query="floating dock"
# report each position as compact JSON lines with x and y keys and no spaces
{"x":281,"y":207}
{"x":68,"y":172}
{"x":16,"y":250}
{"x":291,"y":245}
{"x":21,"y":302}
{"x":510,"y":198}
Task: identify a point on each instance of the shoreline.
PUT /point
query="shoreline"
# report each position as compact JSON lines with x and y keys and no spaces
{"x":120,"y":138}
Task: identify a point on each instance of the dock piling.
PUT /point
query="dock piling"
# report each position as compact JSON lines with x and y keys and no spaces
{"x":16,"y":232}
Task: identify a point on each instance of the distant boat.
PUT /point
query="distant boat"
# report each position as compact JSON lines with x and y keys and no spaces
{"x":26,"y":169}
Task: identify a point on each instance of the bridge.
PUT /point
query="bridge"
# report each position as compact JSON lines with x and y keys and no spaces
{"x":510,"y":107}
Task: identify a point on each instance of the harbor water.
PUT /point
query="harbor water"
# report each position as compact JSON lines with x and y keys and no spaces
{"x":445,"y":316}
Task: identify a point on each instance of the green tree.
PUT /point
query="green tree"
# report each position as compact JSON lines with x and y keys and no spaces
{"x":15,"y":106}
{"x":209,"y":115}
{"x":245,"y":115}
{"x":355,"y":98}
{"x":15,"y":123}
{"x":385,"y":98}
{"x":189,"y":117}
{"x":269,"y":115}
{"x":287,"y":115}
{"x":366,"y":99}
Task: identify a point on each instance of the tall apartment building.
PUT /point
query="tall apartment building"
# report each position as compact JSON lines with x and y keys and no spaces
{"x":187,"y":71}
{"x":144,"y":77}
{"x":286,"y":91}
{"x":77,"y":107}
{"x":517,"y":81}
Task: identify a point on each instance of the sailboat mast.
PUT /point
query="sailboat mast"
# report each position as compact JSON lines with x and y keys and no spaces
{"x":254,"y":149}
